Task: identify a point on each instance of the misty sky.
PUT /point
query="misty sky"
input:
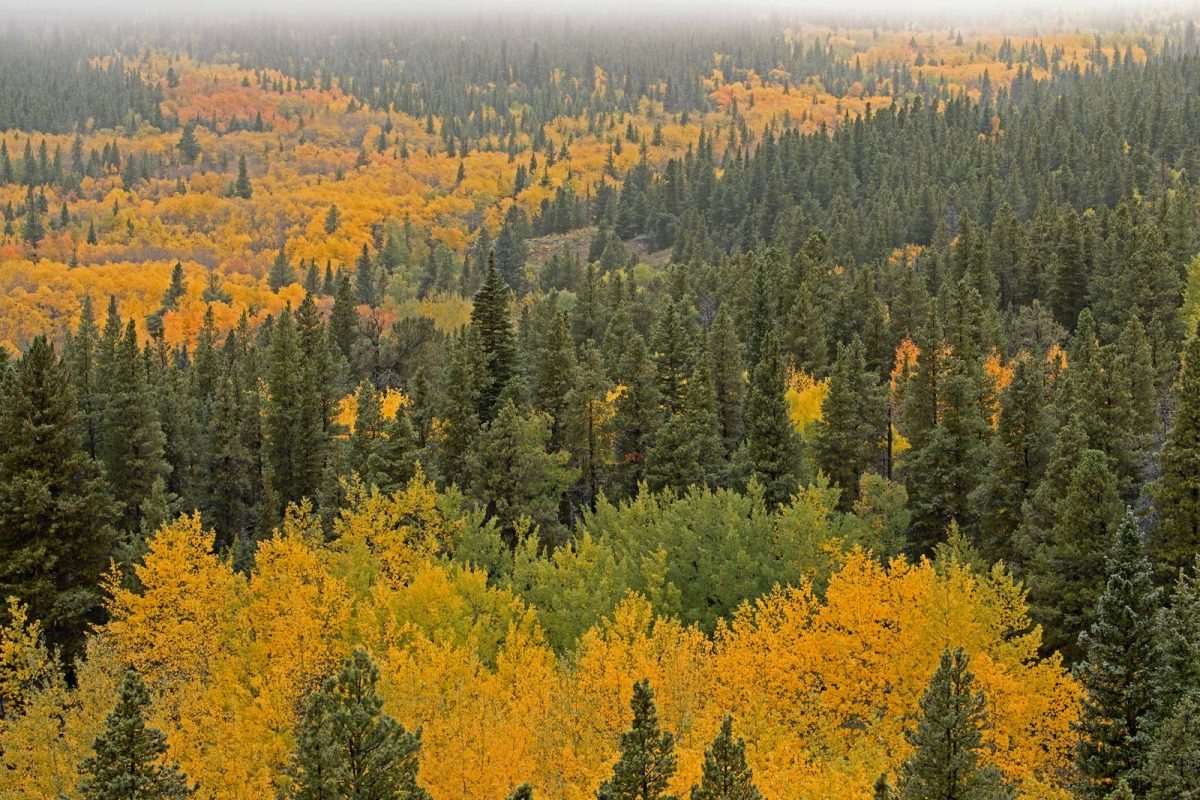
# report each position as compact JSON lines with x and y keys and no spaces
{"x":228,"y":9}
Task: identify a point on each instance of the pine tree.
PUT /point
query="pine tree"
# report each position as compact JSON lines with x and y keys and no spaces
{"x":725,"y":361}
{"x":459,"y":394}
{"x":347,"y":747}
{"x":491,"y":319}
{"x":188,"y":147}
{"x":1066,"y":570}
{"x":134,"y":444}
{"x":295,"y":439}
{"x":1177,"y":492}
{"x":55,"y":512}
{"x":851,"y":435}
{"x":636,"y":415}
{"x":393,"y":460}
{"x":282,"y":274}
{"x":33,"y":230}
{"x":343,"y":320}
{"x":333,"y":218}
{"x":688,"y":450}
{"x":1173,"y":761}
{"x":1115,"y":672}
{"x":725,"y":774}
{"x":947,"y":761}
{"x":242,"y":187}
{"x":553,"y":375}
{"x":674,"y":354}
{"x":514,"y":475}
{"x":364,"y":280}
{"x":770,"y":453}
{"x":368,"y":427}
{"x":226,"y":473}
{"x":587,"y":431}
{"x":129,"y":757}
{"x":647,"y":761}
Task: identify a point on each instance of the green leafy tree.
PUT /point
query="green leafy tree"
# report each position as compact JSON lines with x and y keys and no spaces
{"x":726,"y":776}
{"x":347,"y":747}
{"x":129,"y":761}
{"x":948,"y":749}
{"x":647,"y":761}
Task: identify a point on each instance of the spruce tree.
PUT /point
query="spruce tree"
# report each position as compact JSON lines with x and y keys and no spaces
{"x":393,"y":458}
{"x":1116,"y":670}
{"x":282,"y":274}
{"x":587,"y":432}
{"x":348,"y":748}
{"x":726,"y":775}
{"x":133,"y":446}
{"x":851,"y":434}
{"x":1177,"y":492}
{"x":55,"y":511}
{"x":647,"y":762}
{"x":1173,"y":761}
{"x":688,"y":450}
{"x":343,"y":320}
{"x":725,"y":361}
{"x":242,"y":187}
{"x":491,"y":319}
{"x":1066,"y":571}
{"x":129,"y":763}
{"x":636,"y":416}
{"x":364,"y":280}
{"x":227,"y":470}
{"x":770,"y":453}
{"x":512,"y":473}
{"x":948,"y":749}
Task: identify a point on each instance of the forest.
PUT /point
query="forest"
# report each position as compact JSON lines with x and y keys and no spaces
{"x":518,"y":407}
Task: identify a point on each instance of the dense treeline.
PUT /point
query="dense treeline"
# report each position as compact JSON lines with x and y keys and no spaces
{"x":992,"y":293}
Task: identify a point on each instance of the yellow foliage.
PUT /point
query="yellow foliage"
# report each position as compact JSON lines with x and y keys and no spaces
{"x":805,"y":396}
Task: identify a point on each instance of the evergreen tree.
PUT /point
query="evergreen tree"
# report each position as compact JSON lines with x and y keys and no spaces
{"x":514,"y":475}
{"x":770,"y":453}
{"x":725,"y":360}
{"x":725,"y":774}
{"x":347,"y":747}
{"x":1173,"y":761}
{"x":587,"y":414}
{"x":1177,"y":492}
{"x":343,"y":320}
{"x":636,"y":415}
{"x":647,"y":761}
{"x":851,"y":435}
{"x":1116,"y":670}
{"x":688,"y":450}
{"x":393,"y":460}
{"x":134,"y":444}
{"x":55,"y":513}
{"x":129,"y":757}
{"x":947,"y":761}
{"x":187,"y":146}
{"x":242,"y":187}
{"x":491,"y":319}
{"x":227,"y":479}
{"x":282,"y":274}
{"x":295,"y":439}
{"x":364,"y":280}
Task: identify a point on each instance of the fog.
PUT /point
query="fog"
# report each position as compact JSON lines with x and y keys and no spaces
{"x":346,"y":10}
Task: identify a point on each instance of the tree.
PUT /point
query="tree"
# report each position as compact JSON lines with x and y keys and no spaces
{"x":188,"y":147}
{"x":133,"y":447}
{"x":333,"y":218}
{"x":282,"y":274}
{"x":947,"y":762}
{"x":851,"y":434}
{"x":55,"y":512}
{"x":771,"y":452}
{"x":726,"y":775}
{"x":513,"y":475}
{"x":1177,"y":491}
{"x":364,"y":280}
{"x":647,"y":761}
{"x":129,"y":759}
{"x":1116,"y":670}
{"x":725,"y":359}
{"x":242,"y":187}
{"x":490,"y":317}
{"x":1173,"y":761}
{"x":347,"y":747}
{"x":33,"y":230}
{"x":688,"y":450}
